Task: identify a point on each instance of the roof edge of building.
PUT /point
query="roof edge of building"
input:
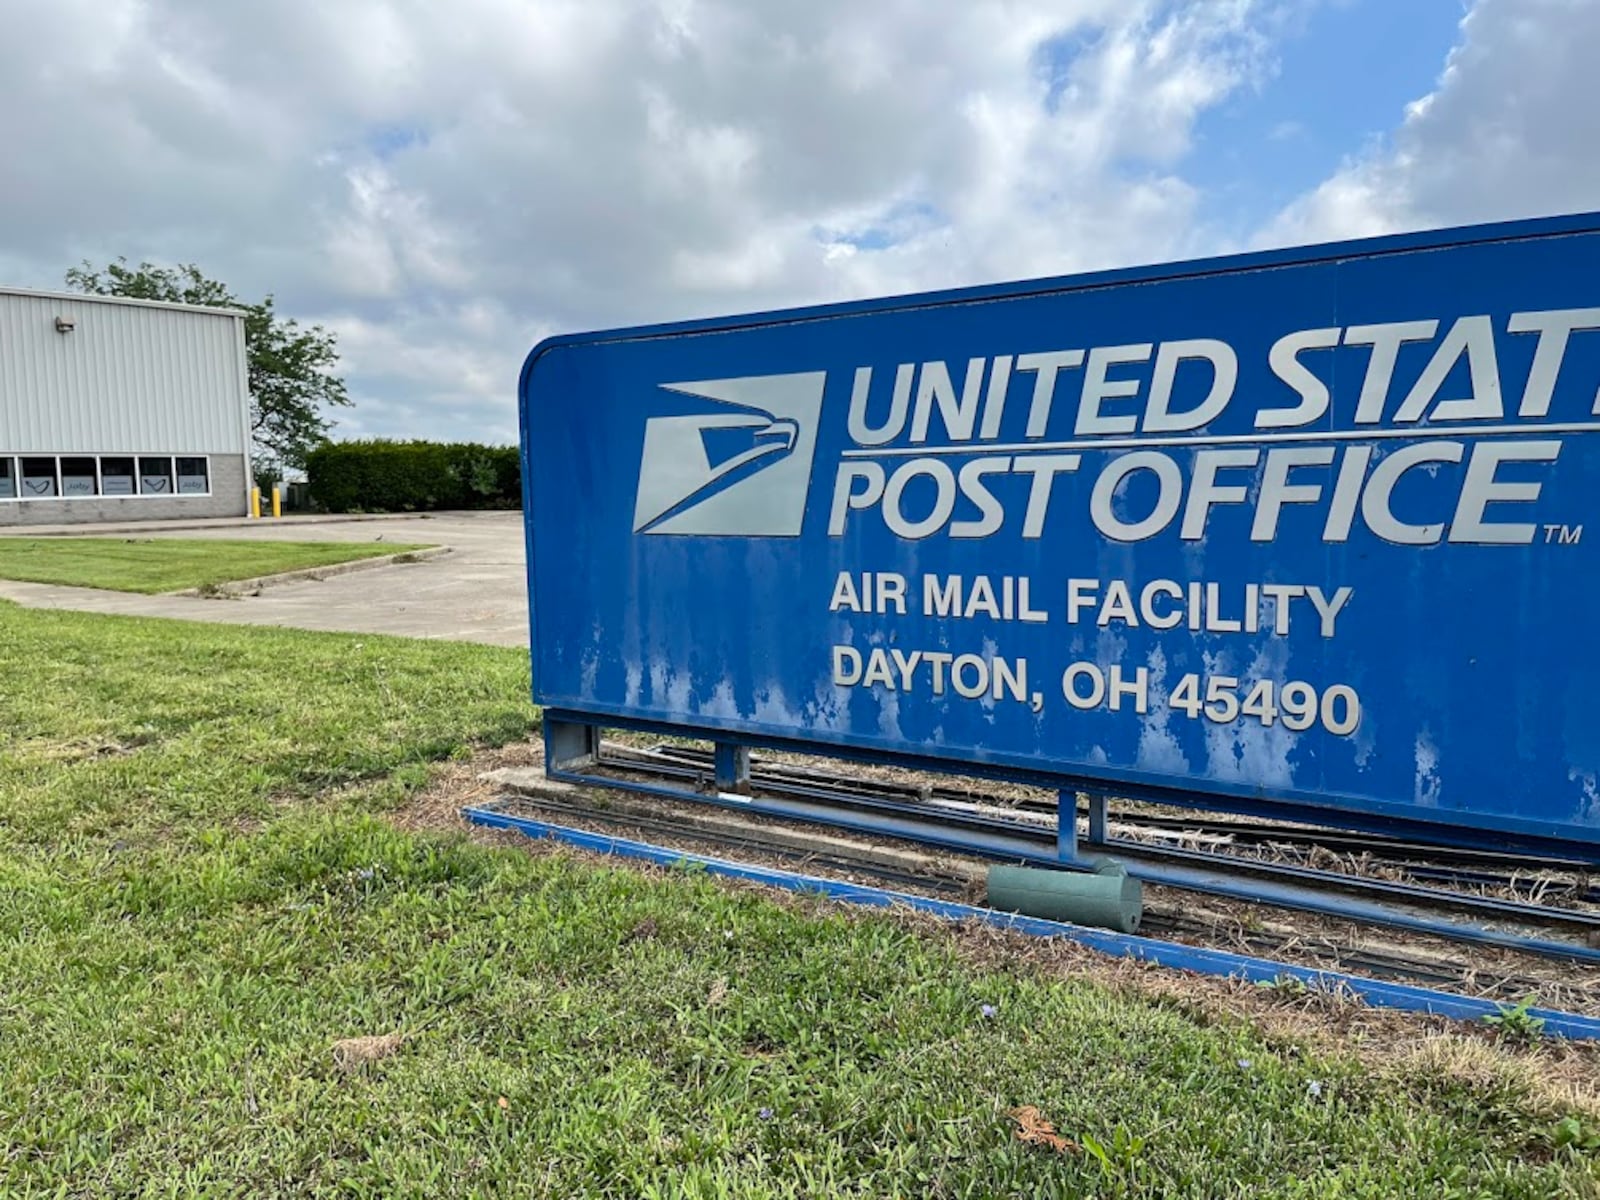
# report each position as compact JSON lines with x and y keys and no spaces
{"x":40,"y":294}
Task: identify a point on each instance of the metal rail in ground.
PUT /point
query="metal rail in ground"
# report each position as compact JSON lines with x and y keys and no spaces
{"x":1242,"y":831}
{"x":1170,"y":954}
{"x":1379,"y":902}
{"x":761,"y":840}
{"x":1125,"y":849}
{"x":798,"y":783}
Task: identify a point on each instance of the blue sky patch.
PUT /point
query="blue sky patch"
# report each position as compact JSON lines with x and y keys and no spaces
{"x":1345,"y":73}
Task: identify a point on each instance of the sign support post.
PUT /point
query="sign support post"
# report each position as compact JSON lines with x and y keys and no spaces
{"x":731,"y":767}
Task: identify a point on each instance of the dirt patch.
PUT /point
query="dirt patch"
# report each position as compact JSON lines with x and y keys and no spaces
{"x":84,"y":749}
{"x":351,"y":1054}
{"x":1560,"y":1075}
{"x":456,"y":785}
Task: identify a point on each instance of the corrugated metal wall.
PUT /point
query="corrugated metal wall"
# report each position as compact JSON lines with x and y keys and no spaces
{"x":128,"y":379}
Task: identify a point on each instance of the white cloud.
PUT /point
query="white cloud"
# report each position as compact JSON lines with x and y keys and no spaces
{"x":443,"y":184}
{"x":1510,"y":130}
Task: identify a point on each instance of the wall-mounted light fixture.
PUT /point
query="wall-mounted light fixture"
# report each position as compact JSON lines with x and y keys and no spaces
{"x":65,"y":324}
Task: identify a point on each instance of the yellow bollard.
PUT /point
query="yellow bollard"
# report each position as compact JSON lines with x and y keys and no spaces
{"x":255,"y":503}
{"x":277,"y":501}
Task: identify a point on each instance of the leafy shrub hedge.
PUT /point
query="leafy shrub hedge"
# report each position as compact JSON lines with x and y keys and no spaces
{"x":384,"y":476}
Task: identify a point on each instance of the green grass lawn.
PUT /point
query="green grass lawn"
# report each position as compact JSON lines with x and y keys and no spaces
{"x":200,"y":892}
{"x":154,"y":565}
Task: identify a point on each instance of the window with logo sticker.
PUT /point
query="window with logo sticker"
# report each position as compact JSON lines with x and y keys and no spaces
{"x":38,"y":478}
{"x":155,"y":477}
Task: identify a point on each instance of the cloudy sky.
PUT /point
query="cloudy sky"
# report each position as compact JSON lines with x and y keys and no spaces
{"x":444,"y":184}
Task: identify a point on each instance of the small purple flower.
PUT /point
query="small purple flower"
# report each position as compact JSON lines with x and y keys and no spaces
{"x":989,"y":1011}
{"x":1314,"y":1089}
{"x":765,"y":1114}
{"x":1244,"y":1064}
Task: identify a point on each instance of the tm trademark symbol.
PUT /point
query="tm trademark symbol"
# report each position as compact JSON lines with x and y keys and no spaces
{"x":1563,"y":535}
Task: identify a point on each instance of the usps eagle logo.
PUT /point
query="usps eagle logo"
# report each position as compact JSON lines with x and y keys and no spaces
{"x":742,"y":468}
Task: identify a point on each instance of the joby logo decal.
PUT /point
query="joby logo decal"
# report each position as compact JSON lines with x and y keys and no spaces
{"x":742,"y":468}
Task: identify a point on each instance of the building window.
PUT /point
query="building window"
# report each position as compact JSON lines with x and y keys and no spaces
{"x":193,"y":479}
{"x":117,"y":477}
{"x":155,"y":477}
{"x":79,"y":477}
{"x":38,"y":478}
{"x":85,"y":476}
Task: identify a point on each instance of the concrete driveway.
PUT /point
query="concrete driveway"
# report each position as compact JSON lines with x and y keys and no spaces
{"x":476,"y":593}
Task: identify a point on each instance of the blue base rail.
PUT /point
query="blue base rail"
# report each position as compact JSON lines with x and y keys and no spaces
{"x":1167,"y":954}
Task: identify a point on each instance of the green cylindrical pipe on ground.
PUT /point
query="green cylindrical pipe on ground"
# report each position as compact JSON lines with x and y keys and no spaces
{"x":1108,"y":898}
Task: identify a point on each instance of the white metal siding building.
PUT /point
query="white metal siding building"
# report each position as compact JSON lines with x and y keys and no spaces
{"x":114,"y":409}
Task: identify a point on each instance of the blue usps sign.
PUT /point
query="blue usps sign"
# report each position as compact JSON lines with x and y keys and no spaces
{"x":1312,"y":528}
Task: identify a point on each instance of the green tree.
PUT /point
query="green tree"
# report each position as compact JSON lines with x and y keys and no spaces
{"x":292,"y":367}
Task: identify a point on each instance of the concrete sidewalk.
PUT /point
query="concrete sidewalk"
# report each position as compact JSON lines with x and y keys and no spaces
{"x":477,"y":593}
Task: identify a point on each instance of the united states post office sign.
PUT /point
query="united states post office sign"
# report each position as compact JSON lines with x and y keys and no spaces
{"x":1313,"y":527}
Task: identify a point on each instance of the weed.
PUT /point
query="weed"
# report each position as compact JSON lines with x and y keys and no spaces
{"x":1290,"y":987}
{"x":1572,"y":1134}
{"x":1122,"y":1156}
{"x":1515,"y":1023}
